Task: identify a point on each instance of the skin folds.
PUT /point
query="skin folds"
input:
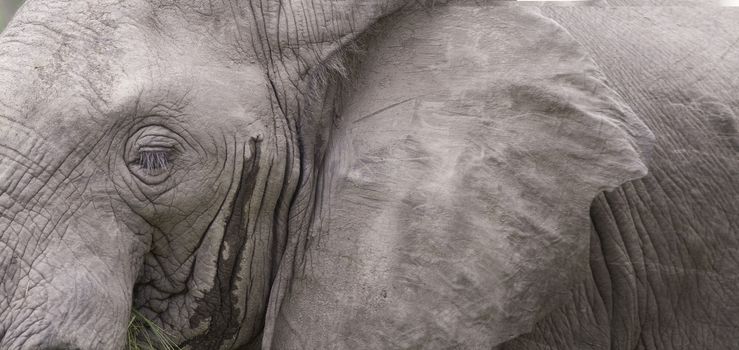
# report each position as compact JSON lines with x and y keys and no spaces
{"x":114,"y":232}
{"x":357,"y":174}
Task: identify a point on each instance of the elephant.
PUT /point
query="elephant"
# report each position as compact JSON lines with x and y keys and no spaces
{"x":372,"y":174}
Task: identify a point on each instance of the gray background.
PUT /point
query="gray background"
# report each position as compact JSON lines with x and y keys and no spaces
{"x":7,"y":8}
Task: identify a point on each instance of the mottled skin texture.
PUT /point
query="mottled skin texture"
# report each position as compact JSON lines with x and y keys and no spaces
{"x":455,"y":207}
{"x":87,"y":232}
{"x":664,"y":250}
{"x":221,"y":88}
{"x":431,"y":180}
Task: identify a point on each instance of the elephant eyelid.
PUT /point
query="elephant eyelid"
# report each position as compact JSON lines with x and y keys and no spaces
{"x":153,"y":160}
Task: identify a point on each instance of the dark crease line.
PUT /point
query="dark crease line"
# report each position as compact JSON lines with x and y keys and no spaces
{"x":384,"y":109}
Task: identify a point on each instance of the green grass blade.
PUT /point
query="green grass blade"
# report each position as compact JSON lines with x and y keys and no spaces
{"x":145,"y":334}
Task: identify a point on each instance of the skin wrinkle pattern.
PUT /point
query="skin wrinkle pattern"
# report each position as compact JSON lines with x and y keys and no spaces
{"x":369,"y":174}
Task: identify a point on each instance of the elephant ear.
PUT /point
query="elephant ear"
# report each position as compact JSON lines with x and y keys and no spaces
{"x":453,"y":205}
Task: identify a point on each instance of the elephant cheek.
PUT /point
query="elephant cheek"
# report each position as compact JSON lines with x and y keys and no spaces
{"x":70,"y":282}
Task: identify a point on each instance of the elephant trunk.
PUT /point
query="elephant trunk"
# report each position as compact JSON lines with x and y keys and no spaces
{"x":68,"y":272}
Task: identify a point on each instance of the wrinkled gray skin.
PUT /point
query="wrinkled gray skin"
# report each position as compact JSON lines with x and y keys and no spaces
{"x":355,"y":174}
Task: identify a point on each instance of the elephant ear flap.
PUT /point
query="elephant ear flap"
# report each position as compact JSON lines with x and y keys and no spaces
{"x":457,"y":185}
{"x":496,"y":90}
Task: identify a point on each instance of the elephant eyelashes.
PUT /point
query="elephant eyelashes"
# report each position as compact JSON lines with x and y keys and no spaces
{"x":152,"y":162}
{"x":150,"y":154}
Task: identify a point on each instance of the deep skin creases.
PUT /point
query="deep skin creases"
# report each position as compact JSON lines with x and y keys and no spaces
{"x":87,"y":107}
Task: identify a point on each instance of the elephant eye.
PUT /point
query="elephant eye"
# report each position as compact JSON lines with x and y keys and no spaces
{"x":152,"y":162}
{"x":152,"y":165}
{"x":151,"y":152}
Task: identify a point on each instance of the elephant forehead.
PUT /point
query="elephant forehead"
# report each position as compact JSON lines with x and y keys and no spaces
{"x":43,"y":57}
{"x":67,"y":69}
{"x":63,"y":59}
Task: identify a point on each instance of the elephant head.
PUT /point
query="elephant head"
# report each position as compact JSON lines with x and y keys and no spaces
{"x":296,"y":174}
